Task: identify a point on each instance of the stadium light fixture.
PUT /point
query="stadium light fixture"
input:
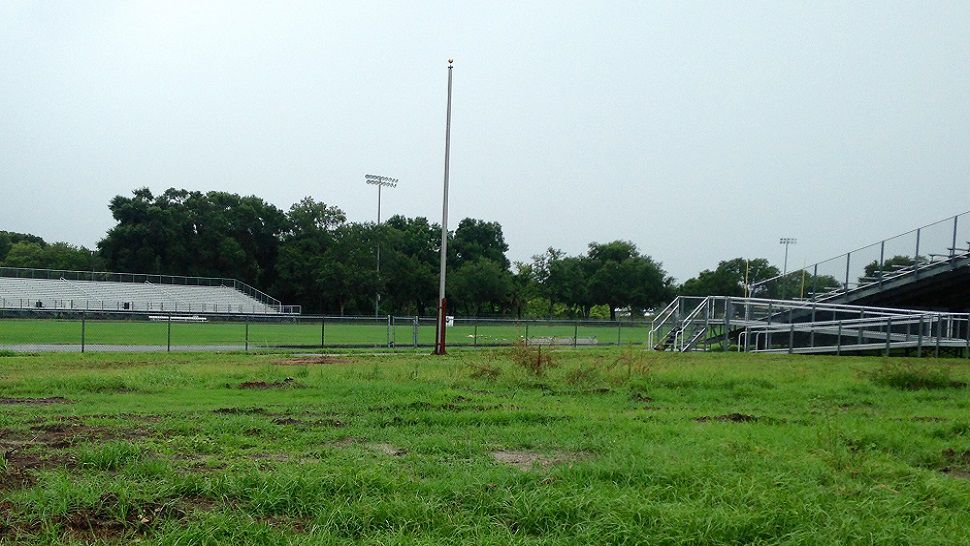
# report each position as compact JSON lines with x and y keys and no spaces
{"x":787,"y":241}
{"x":380,"y":182}
{"x":439,"y":342}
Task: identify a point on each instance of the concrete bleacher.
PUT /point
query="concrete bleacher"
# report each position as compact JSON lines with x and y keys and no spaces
{"x":61,"y":293}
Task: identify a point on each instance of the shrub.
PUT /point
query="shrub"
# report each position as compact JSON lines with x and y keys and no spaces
{"x":532,"y":359}
{"x":912,"y":377}
{"x":582,"y":376}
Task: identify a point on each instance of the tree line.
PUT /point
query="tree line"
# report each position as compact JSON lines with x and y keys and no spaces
{"x":312,"y":255}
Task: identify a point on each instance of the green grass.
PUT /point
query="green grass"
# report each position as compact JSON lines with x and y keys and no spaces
{"x":302,"y":332}
{"x":600,"y":447}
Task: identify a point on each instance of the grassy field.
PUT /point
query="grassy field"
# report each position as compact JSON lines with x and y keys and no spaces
{"x":306,"y":333}
{"x":487,"y":447}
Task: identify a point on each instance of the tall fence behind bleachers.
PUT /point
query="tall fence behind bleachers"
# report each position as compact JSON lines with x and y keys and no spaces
{"x":108,"y":331}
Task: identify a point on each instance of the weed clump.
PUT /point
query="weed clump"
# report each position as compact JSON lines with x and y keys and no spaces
{"x":913,"y":377}
{"x":582,"y":376}
{"x":532,"y":359}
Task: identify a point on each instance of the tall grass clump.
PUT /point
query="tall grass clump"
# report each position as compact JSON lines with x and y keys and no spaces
{"x":532,"y":358}
{"x":913,"y":377}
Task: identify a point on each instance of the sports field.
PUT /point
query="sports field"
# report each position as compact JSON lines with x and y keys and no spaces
{"x":306,"y":332}
{"x":502,"y":446}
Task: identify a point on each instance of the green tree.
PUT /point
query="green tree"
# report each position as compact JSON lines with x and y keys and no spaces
{"x":889,"y":266}
{"x":728,"y":278}
{"x":478,"y":283}
{"x":409,"y":263}
{"x":10,"y":238}
{"x":474,"y":239}
{"x":305,"y":245}
{"x":619,"y":276}
{"x":190,"y":233}
{"x":63,"y":256}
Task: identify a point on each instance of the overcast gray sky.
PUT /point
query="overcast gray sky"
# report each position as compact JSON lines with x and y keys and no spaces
{"x":699,"y":131}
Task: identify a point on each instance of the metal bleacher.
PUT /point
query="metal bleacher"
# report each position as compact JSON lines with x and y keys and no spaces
{"x":934,"y":273}
{"x":47,"y":289}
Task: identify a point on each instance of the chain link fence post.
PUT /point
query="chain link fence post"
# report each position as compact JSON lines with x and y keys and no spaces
{"x":83,"y":327}
{"x":169,"y":343}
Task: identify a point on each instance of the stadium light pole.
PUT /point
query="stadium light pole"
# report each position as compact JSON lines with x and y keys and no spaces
{"x":439,"y":342}
{"x":380,"y":182}
{"x":787,"y":241}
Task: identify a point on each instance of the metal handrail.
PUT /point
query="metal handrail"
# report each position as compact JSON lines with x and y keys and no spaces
{"x":848,"y":286}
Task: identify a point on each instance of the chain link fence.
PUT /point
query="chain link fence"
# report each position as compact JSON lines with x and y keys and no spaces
{"x":87,"y":331}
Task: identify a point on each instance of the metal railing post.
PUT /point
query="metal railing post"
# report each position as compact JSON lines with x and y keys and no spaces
{"x":916,"y":254}
{"x":768,"y":328}
{"x":919,"y":337}
{"x":576,"y":336}
{"x":323,"y":332}
{"x":83,"y":326}
{"x":811,"y":335}
{"x":936,"y":353}
{"x":953,"y":246}
{"x":247,"y":334}
{"x":815,"y":282}
{"x":390,"y":342}
{"x":791,"y":338}
{"x":475,"y":333}
{"x":862,"y":326}
{"x":527,"y":334}
{"x":838,"y":341}
{"x":848,"y":257}
{"x":619,"y":328}
{"x":169,"y":335}
{"x":727,"y":324}
{"x":414,"y":331}
{"x":966,"y":351}
{"x":889,"y":333}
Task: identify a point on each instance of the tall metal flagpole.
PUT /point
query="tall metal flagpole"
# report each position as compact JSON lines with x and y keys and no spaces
{"x":439,"y":346}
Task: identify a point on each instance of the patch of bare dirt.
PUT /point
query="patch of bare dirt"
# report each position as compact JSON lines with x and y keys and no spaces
{"x":289,"y":382}
{"x":106,"y":520}
{"x":287,"y":421}
{"x":958,"y":462}
{"x":314,"y":360}
{"x":240,"y":411}
{"x":36,"y":401}
{"x":527,"y":460}
{"x":21,"y":465}
{"x":387,"y":449}
{"x":729,"y":418}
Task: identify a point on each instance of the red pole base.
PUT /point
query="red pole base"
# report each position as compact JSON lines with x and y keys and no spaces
{"x":439,"y":342}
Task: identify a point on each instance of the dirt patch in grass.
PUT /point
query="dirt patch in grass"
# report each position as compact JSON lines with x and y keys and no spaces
{"x":287,"y":383}
{"x":287,"y":421}
{"x":527,"y":460}
{"x":955,"y":457}
{"x":728,"y":418}
{"x":314,"y":360}
{"x":21,"y":465}
{"x":35,"y":401}
{"x":239,"y":411}
{"x":388,"y":449}
{"x":106,"y":521}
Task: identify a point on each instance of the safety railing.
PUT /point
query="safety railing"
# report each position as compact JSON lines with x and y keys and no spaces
{"x":772,"y":325}
{"x":934,"y":245}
